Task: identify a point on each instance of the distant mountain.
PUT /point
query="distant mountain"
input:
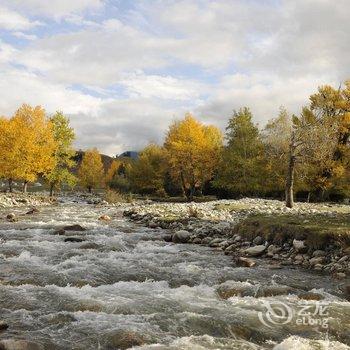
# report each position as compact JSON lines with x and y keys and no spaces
{"x":106,"y":160}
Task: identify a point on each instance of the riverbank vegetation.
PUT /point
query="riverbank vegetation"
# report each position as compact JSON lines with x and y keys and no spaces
{"x":308,"y":154}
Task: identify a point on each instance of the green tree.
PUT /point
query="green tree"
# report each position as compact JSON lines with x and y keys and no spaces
{"x":147,"y":175}
{"x":91,"y":173}
{"x":64,"y":153}
{"x":241,"y":169}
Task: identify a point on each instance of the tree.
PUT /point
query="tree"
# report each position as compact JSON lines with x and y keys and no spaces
{"x":64,"y":153}
{"x":242,"y":165}
{"x":147,"y":175}
{"x":192,"y":153}
{"x":313,"y":142}
{"x":117,"y":176}
{"x":276,"y":138}
{"x":27,"y":144}
{"x":91,"y":173}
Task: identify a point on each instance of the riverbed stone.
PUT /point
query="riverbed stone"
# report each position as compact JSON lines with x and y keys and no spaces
{"x":11,"y":344}
{"x":74,"y":239}
{"x":310,"y":296}
{"x":75,"y":227}
{"x":299,"y":246}
{"x":105,"y":217}
{"x":3,"y":326}
{"x":246,"y":262}
{"x":124,"y":339}
{"x":11,"y":217}
{"x":181,"y":236}
{"x":32,"y":211}
{"x":255,"y":251}
{"x":258,"y":240}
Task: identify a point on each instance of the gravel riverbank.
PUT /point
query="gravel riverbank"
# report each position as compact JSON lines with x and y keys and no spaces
{"x":234,"y":226}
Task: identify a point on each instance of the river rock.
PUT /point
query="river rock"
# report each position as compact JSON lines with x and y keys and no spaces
{"x":299,"y":246}
{"x":181,"y":236}
{"x":11,"y":217}
{"x":59,"y":232}
{"x":197,"y":240}
{"x":152,"y":224}
{"x":11,"y":344}
{"x":255,"y":251}
{"x":90,"y":245}
{"x":318,"y":253}
{"x":258,"y":240}
{"x":3,"y":326}
{"x":73,"y":239}
{"x":32,"y":211}
{"x":241,"y":261}
{"x":168,"y":238}
{"x":125,"y":339}
{"x":105,"y":217}
{"x":270,"y":291}
{"x":316,"y":261}
{"x":310,"y":296}
{"x":230,"y":289}
{"x":75,"y":227}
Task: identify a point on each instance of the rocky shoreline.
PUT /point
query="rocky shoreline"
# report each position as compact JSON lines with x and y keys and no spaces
{"x":9,"y":200}
{"x":217,"y":225}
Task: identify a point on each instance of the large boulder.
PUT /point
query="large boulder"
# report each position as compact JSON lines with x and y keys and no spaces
{"x":255,"y":251}
{"x":181,"y":236}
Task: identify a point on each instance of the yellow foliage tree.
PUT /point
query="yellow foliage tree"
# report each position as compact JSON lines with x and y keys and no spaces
{"x":91,"y":173}
{"x":28,"y":145}
{"x":193,"y":152}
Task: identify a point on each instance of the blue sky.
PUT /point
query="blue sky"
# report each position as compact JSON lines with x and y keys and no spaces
{"x":123,"y":70}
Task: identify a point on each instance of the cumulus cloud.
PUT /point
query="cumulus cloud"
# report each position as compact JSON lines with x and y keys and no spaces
{"x":12,"y":20}
{"x":123,"y":73}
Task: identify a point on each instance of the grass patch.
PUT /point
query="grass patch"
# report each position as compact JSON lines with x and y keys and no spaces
{"x":317,"y":230}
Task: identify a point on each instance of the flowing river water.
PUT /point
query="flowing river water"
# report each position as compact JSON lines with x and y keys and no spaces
{"x":124,"y":286}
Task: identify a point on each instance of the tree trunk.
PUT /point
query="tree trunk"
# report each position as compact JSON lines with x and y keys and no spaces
{"x":308,"y":197}
{"x":10,"y":185}
{"x":52,"y":185}
{"x":191,"y":194}
{"x":290,"y":175}
{"x":90,"y":189}
{"x":25,"y":186}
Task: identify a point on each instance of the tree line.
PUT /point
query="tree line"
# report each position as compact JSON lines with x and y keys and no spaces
{"x":308,"y":154}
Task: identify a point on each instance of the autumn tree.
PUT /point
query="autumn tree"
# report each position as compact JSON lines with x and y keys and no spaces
{"x":276,"y":138}
{"x":117,"y":176}
{"x":63,"y":155}
{"x":241,"y":169}
{"x":192,"y":153}
{"x":91,"y":173}
{"x":147,"y":175}
{"x":28,"y":145}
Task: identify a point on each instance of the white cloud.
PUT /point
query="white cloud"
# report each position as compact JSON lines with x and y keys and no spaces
{"x":54,"y":8}
{"x":11,"y":20}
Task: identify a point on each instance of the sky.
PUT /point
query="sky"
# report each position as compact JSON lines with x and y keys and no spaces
{"x":123,"y":70}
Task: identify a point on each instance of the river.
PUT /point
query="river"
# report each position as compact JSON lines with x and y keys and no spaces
{"x":123,"y":286}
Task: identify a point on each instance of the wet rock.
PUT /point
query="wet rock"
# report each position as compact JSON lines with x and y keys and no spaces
{"x":105,"y":218}
{"x":3,"y":326}
{"x":59,"y":232}
{"x":152,"y":224}
{"x":270,"y":291}
{"x":75,"y":227}
{"x":197,"y":240}
{"x":230,"y":289}
{"x":168,"y":238}
{"x":11,"y":344}
{"x":74,"y":239}
{"x":125,"y":339}
{"x":310,"y":296}
{"x":241,"y":261}
{"x":181,"y":236}
{"x":299,"y":246}
{"x":32,"y":211}
{"x":340,"y":275}
{"x":90,"y":245}
{"x":255,"y":251}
